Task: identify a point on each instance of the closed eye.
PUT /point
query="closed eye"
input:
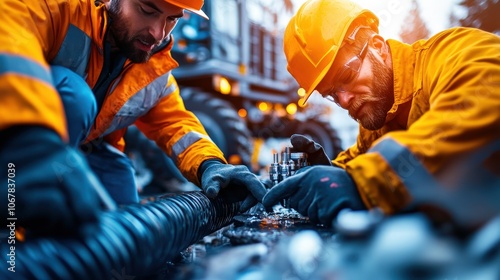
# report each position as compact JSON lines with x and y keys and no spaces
{"x":147,"y":12}
{"x":174,"y":18}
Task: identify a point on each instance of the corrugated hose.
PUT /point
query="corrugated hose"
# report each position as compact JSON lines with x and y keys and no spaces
{"x":131,"y":241}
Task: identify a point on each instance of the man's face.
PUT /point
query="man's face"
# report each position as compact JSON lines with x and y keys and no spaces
{"x":137,"y":26}
{"x":367,"y":95}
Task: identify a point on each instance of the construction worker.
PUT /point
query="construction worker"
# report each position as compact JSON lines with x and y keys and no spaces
{"x":74,"y":75}
{"x":428,"y":113}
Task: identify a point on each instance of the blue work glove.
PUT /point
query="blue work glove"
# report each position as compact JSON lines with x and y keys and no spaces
{"x":52,"y":185}
{"x":315,"y":153}
{"x":319,"y":192}
{"x":232,"y":182}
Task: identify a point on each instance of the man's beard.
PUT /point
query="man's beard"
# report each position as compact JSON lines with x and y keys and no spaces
{"x":123,"y":40}
{"x":382,"y":98}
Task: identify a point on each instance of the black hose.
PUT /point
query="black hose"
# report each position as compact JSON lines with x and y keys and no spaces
{"x":131,"y":242}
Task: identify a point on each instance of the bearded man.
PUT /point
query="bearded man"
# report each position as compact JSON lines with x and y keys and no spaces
{"x":74,"y":74}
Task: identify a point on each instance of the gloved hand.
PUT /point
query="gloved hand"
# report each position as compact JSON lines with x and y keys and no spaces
{"x":315,"y":153}
{"x":319,"y":192}
{"x":232,"y":182}
{"x":52,"y":183}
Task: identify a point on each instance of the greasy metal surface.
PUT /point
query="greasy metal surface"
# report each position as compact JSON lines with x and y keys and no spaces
{"x":249,"y":238}
{"x":267,"y":228}
{"x":400,"y":247}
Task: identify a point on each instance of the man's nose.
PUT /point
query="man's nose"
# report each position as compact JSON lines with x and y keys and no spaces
{"x":345,"y":98}
{"x":157,"y":30}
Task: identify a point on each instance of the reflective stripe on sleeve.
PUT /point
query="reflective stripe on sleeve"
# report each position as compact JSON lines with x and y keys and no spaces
{"x":140,"y":103}
{"x":474,"y":187}
{"x":186,"y":141}
{"x":406,"y":165}
{"x":24,"y":67}
{"x":170,"y":88}
{"x":74,"y":51}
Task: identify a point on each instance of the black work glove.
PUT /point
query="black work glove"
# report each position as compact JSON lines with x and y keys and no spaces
{"x":319,"y":192}
{"x":54,"y":187}
{"x":315,"y":153}
{"x":232,"y":182}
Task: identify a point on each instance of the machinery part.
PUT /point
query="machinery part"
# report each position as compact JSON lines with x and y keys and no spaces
{"x":222,"y":123}
{"x":289,"y":164}
{"x":323,"y":133}
{"x":238,"y":59}
{"x":140,"y":148}
{"x":135,"y":240}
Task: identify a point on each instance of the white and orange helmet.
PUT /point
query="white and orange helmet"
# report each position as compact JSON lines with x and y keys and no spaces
{"x":193,"y":6}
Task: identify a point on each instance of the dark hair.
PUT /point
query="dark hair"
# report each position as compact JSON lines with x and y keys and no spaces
{"x":115,"y":7}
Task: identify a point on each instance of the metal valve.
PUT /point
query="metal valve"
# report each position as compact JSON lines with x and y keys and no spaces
{"x":289,"y":164}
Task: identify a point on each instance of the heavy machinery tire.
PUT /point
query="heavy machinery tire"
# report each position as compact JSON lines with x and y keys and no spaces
{"x":323,"y":133}
{"x":222,"y":123}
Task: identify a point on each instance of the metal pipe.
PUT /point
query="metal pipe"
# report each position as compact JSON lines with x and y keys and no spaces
{"x":131,"y":241}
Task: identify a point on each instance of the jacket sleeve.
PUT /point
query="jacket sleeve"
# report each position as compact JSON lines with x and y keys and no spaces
{"x":179,"y":133}
{"x":360,"y":147}
{"x":458,"y":83}
{"x":29,"y":30}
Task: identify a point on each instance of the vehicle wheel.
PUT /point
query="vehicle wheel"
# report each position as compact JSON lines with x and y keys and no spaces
{"x":323,"y":133}
{"x":222,"y":123}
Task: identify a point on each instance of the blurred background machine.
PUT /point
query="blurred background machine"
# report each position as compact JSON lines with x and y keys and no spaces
{"x":233,"y":76}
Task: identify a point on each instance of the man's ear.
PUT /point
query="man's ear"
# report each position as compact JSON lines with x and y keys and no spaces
{"x":378,"y":43}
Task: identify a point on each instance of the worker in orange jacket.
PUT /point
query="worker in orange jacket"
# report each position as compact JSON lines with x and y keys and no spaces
{"x":74,"y":75}
{"x":428,"y":113}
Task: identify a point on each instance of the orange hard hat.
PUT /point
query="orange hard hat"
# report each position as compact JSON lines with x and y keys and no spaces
{"x":314,"y":35}
{"x":193,"y":6}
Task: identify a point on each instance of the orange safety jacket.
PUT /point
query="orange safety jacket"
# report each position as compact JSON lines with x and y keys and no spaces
{"x":38,"y":33}
{"x":451,"y":84}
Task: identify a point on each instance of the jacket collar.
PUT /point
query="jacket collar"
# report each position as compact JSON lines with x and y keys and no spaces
{"x":403,"y":65}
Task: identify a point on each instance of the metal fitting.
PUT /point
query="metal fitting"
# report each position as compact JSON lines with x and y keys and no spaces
{"x":286,"y":167}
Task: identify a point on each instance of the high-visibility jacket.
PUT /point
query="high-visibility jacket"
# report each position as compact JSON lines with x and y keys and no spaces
{"x":449,"y":88}
{"x":35,"y":34}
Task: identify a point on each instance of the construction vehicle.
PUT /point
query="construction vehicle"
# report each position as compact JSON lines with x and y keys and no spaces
{"x":233,"y":77}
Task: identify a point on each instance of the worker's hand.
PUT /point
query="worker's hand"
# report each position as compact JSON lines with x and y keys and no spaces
{"x":50,"y":183}
{"x":315,"y":153}
{"x":319,"y":192}
{"x":233,"y":183}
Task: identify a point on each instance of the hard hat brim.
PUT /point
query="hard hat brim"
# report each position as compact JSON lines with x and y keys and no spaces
{"x":199,"y":12}
{"x":318,"y":80}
